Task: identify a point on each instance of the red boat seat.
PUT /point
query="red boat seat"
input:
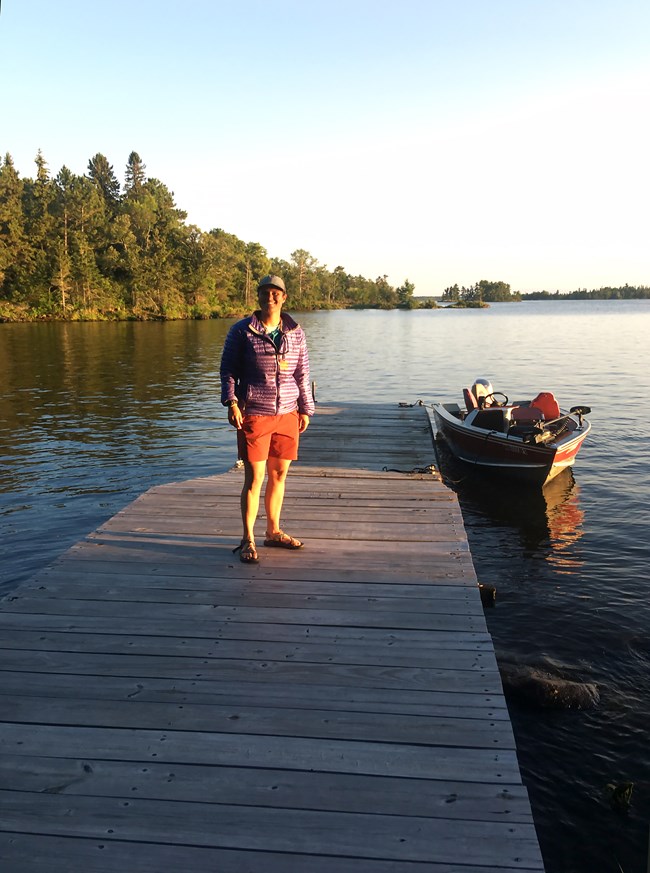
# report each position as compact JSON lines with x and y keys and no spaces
{"x":526,"y":414}
{"x":546,"y":401}
{"x":470,"y":400}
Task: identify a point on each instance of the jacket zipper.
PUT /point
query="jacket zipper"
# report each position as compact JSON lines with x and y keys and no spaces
{"x":277,"y":366}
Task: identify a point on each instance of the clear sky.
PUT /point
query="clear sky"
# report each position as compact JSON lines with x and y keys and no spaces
{"x":441,"y":141}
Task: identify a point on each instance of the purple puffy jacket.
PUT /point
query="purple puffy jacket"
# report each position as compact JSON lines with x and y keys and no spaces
{"x":263,"y":380}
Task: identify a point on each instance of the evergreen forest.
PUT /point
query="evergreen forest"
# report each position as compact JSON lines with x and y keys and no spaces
{"x":86,"y":247}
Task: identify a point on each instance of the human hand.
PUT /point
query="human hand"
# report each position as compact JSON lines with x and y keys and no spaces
{"x":235,"y":416}
{"x":303,"y":422}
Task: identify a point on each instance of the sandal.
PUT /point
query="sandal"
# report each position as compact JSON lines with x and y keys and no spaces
{"x":282,"y":540}
{"x":247,"y":552}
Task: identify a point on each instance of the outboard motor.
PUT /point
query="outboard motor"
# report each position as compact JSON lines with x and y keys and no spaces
{"x":481,"y":389}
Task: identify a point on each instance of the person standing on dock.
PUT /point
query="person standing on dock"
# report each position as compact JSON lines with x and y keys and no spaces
{"x":265,"y":385}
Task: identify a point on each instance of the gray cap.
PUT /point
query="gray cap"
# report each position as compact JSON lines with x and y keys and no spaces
{"x":273,"y":281}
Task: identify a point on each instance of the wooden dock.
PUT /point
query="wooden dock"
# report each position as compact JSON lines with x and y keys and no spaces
{"x":333,"y":710}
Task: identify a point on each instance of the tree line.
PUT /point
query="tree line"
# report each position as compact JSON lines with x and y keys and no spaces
{"x":86,"y":247}
{"x":484,"y":293}
{"x":624,"y":292}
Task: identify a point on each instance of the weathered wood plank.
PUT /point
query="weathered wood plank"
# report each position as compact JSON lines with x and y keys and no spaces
{"x":312,"y":490}
{"x":212,"y":748}
{"x":36,"y":853}
{"x":212,"y":613}
{"x":369,"y":531}
{"x":184,"y":555}
{"x":349,"y":482}
{"x":313,"y":507}
{"x":483,"y":681}
{"x":276,"y":830}
{"x":369,"y":455}
{"x":458,"y":571}
{"x":253,"y":631}
{"x":445,"y":587}
{"x":142,"y":546}
{"x":474,"y":733}
{"x":449,"y":601}
{"x":462,"y":704}
{"x":413,"y":510}
{"x":465,"y":655}
{"x":353,"y":482}
{"x":339,"y":792}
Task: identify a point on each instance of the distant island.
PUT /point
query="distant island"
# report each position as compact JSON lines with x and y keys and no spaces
{"x":484,"y":293}
{"x":624,"y":292}
{"x":84,"y":248}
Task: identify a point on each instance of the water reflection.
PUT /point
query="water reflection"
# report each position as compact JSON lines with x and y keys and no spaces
{"x":94,"y":414}
{"x":565,"y":521}
{"x":548,"y":522}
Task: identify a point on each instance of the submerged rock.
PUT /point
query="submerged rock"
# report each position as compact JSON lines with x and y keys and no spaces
{"x":535,"y":687}
{"x":620,"y":795}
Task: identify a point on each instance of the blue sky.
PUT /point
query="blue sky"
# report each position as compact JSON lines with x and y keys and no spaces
{"x":442,"y":141}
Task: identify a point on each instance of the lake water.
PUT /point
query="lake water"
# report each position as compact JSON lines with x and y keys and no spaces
{"x":92,"y":415}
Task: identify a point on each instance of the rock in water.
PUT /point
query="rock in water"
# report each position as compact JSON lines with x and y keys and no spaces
{"x":536,"y":687}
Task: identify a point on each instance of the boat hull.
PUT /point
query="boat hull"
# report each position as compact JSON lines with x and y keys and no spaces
{"x":507,"y":455}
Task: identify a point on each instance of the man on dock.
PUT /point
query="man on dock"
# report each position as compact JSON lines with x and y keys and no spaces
{"x":265,"y":385}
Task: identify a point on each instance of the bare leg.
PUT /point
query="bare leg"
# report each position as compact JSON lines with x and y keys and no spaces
{"x":250,"y":495}
{"x":274,"y":494}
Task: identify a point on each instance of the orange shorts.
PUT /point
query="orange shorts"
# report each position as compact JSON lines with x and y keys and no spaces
{"x":269,"y":436}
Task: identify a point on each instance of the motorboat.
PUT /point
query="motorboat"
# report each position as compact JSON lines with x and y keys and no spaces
{"x":531,"y":440}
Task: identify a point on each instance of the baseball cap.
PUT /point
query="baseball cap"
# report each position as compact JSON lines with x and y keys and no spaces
{"x":273,"y":281}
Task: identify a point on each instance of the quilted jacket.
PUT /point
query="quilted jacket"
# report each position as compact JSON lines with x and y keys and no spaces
{"x":266,"y":380}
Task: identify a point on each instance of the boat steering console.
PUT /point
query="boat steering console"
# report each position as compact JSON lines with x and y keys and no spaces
{"x":491,"y":399}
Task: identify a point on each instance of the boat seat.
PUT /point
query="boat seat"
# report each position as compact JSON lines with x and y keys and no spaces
{"x":523,"y":420}
{"x":470,"y":400}
{"x":546,"y":401}
{"x":526,"y":414}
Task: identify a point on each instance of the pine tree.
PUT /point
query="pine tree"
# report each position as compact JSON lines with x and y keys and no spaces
{"x":13,"y":242}
{"x":38,"y":198}
{"x":134,"y":176}
{"x":101,"y":173}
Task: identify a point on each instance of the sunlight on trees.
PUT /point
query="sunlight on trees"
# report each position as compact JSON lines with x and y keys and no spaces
{"x":85,"y":247}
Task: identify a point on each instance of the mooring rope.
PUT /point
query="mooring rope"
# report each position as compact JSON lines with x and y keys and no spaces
{"x":430,"y":468}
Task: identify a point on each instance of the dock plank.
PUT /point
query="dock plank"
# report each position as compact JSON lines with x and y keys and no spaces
{"x":35,"y":853}
{"x":337,"y":709}
{"x":448,"y":730}
{"x":267,"y":787}
{"x":268,"y":829}
{"x":307,"y":754}
{"x":352,"y":698}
